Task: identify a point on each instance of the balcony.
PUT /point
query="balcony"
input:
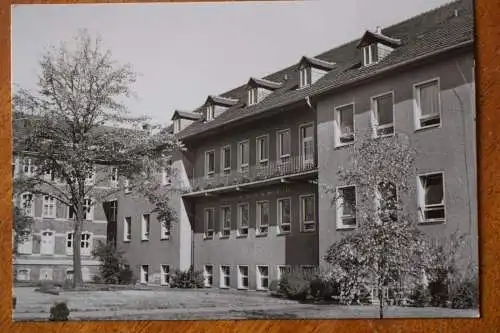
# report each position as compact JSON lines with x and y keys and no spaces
{"x":287,"y":169}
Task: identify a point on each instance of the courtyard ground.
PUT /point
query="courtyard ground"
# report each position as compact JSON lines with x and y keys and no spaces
{"x":168,"y":304}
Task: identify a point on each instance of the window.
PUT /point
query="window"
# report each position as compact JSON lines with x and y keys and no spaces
{"x":127,"y":229}
{"x":307,"y":210}
{"x":225,"y":221}
{"x":165,"y":230}
{"x":311,"y":269}
{"x":23,"y":274}
{"x":243,"y":217}
{"x":370,"y":54}
{"x":85,"y":243}
{"x":28,"y":167}
{"x":431,"y":198}
{"x":262,"y":277}
{"x":126,"y":186}
{"x":69,"y":243}
{"x":47,"y":243}
{"x":307,"y":145}
{"x":27,"y":204}
{"x":145,"y":226}
{"x":208,"y":276}
{"x":114,"y":177}
{"x":242,"y":277}
{"x":427,"y":104}
{"x":49,"y":175}
{"x":111,"y":210}
{"x":144,"y":274}
{"x":346,"y":207}
{"x":304,"y":77}
{"x":283,"y":143}
{"x":226,"y":158}
{"x":383,"y":115}
{"x":25,"y":245}
{"x":177,"y":125}
{"x":45,"y":274}
{"x":284,"y":217}
{"x":210,"y":113}
{"x":243,"y":155}
{"x":252,"y":96}
{"x":90,"y":177}
{"x":88,"y":210}
{"x":282,"y":270}
{"x":49,"y":207}
{"x":345,"y":124}
{"x":225,"y":276}
{"x":165,"y":275}
{"x":262,"y":217}
{"x":209,"y":222}
{"x":209,"y":163}
{"x":263,"y":149}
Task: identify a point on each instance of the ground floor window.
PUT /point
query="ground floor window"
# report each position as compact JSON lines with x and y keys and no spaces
{"x":282,"y":270}
{"x":225,"y":276}
{"x":208,"y":274}
{"x":242,"y":277}
{"x":165,"y":274}
{"x":144,"y":274}
{"x":262,"y":277}
{"x":23,"y":274}
{"x":45,"y":274}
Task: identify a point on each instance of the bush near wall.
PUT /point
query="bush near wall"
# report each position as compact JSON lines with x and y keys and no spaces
{"x":187,"y":279}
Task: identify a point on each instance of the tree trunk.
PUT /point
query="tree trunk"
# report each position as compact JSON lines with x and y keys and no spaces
{"x":77,"y":267}
{"x":380,"y":302}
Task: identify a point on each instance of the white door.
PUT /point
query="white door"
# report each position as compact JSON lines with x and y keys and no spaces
{"x":47,"y":243}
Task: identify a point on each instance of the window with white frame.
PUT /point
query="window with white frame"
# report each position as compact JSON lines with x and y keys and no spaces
{"x":25,"y":245}
{"x":47,"y":242}
{"x":177,"y":125}
{"x":209,"y":163}
{"x":28,"y":167}
{"x":144,"y":278}
{"x":45,"y":274}
{"x":243,"y":218}
{"x":225,"y":276}
{"x":145,"y":226}
{"x":346,"y":207}
{"x":209,"y":223}
{"x":262,"y":277}
{"x":208,"y":276}
{"x":431,"y":197}
{"x":307,"y":145}
{"x":243,"y":155}
{"x":126,"y":186}
{"x":284,"y":145}
{"x":90,"y":177}
{"x":304,"y":77}
{"x":49,"y":207}
{"x":23,"y":274}
{"x":282,"y":270}
{"x":225,"y":221}
{"x":262,"y":217}
{"x":210,"y":113}
{"x":27,"y":204}
{"x":69,"y":243}
{"x":344,"y":119}
{"x":164,"y":274}
{"x":284,"y":215}
{"x":427,"y":104}
{"x":370,"y":54}
{"x":127,"y":229}
{"x":49,"y":175}
{"x":114,"y":177}
{"x":88,"y":210}
{"x":307,"y":212}
{"x":262,"y":149}
{"x":86,"y":244}
{"x":253,"y":97}
{"x":242,"y":277}
{"x":383,"y":114}
{"x":165,"y":230}
{"x":226,"y":158}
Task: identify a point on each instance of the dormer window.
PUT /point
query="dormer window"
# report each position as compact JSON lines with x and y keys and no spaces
{"x":375,"y":46}
{"x":370,"y":54}
{"x":312,"y":69}
{"x":182,"y":119}
{"x":210,"y":113}
{"x":177,"y":125}
{"x":258,"y":89}
{"x":252,"y":96}
{"x":304,"y":77}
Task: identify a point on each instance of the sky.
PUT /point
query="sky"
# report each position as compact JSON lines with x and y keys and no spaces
{"x":184,"y":52}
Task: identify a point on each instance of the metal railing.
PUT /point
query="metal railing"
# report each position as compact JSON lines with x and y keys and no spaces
{"x":262,"y":171}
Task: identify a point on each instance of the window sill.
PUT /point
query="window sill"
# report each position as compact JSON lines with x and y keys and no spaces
{"x":346,"y":227}
{"x":242,"y":288}
{"x":242,"y":236}
{"x":165,"y":238}
{"x":426,"y":222}
{"x":339,"y":145}
{"x":376,"y":136}
{"x":308,"y":231}
{"x":208,"y":238}
{"x":420,"y":129}
{"x":127,"y":240}
{"x":223,"y":237}
{"x":261,"y":235}
{"x":145,"y":240}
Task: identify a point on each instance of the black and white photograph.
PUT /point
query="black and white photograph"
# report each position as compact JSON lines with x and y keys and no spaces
{"x":244,"y":160}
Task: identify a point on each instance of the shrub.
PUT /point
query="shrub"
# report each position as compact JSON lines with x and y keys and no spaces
{"x":464,"y":294}
{"x":187,"y":279}
{"x":126,"y":275}
{"x":59,"y":312}
{"x":438,"y":290}
{"x":325,"y":288}
{"x":420,"y":296}
{"x":274,"y":286}
{"x":114,"y":268}
{"x":296,"y":284}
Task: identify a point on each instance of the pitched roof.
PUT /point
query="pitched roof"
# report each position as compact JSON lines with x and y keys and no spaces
{"x":186,"y":115}
{"x":317,"y":62}
{"x":434,"y":31}
{"x":266,"y":83}
{"x":370,"y":37}
{"x":225,"y":101}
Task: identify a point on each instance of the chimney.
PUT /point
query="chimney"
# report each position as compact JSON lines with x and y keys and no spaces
{"x":377,"y":30}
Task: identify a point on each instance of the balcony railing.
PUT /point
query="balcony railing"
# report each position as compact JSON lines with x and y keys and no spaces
{"x":287,"y":166}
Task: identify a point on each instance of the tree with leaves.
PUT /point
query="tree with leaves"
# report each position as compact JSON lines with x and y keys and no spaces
{"x":78,"y":128}
{"x":386,"y":248}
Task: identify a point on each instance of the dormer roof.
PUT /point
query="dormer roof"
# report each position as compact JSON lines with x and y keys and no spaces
{"x":220,"y":100}
{"x":315,"y":62}
{"x":186,"y":115}
{"x":253,"y":81}
{"x":370,"y":37}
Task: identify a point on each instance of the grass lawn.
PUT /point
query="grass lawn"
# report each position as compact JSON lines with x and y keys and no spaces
{"x":168,"y":304}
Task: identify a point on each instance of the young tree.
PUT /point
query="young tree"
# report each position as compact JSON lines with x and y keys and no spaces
{"x":21,"y":222}
{"x":386,"y":247}
{"x":114,"y":268}
{"x":78,"y":127}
